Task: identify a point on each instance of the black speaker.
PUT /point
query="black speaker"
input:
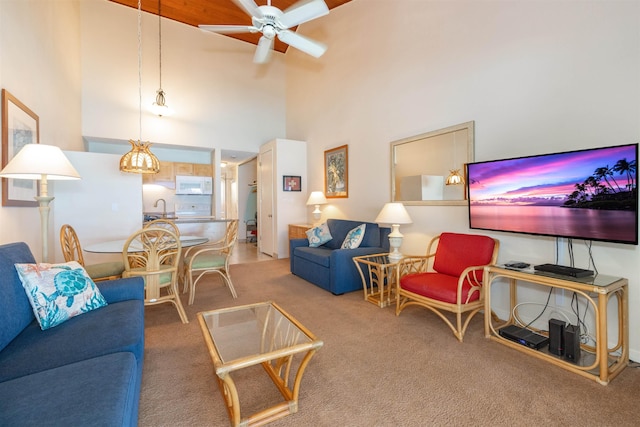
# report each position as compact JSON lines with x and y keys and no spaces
{"x":556,"y":337}
{"x":572,"y":343}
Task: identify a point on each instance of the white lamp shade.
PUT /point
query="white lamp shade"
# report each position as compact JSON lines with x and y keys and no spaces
{"x":316,"y":198}
{"x":35,"y":160}
{"x":393,"y":213}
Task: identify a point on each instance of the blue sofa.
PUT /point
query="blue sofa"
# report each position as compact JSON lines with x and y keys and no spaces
{"x":85,"y":371}
{"x":330,"y":267}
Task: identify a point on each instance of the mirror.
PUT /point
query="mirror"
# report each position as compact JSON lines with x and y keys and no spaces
{"x":421,"y":164}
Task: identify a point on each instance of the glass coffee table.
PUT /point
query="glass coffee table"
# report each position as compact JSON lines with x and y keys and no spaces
{"x":248,"y":335}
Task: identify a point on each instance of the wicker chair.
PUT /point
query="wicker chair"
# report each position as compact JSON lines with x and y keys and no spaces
{"x":163,"y":223}
{"x":154,"y":254}
{"x":72,"y":251}
{"x":454,"y":281}
{"x":210,"y":258}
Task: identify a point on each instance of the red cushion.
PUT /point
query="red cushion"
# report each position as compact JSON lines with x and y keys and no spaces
{"x":458,"y":251}
{"x":437,"y":286}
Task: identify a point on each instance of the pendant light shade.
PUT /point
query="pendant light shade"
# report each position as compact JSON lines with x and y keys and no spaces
{"x":454,"y":178}
{"x":140,"y":159}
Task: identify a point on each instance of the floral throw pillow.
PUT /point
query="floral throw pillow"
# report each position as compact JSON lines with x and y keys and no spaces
{"x":58,"y":292}
{"x":354,"y":237}
{"x":318,"y":235}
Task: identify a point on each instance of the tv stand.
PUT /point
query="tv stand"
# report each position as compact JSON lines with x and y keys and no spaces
{"x":599,"y":362}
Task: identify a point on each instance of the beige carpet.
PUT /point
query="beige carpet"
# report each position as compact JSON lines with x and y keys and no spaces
{"x":375,"y":369}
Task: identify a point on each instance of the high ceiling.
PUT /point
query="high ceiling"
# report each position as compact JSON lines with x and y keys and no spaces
{"x":215,"y":12}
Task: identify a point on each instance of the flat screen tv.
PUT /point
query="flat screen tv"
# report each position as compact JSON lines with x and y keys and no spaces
{"x":586,"y":194}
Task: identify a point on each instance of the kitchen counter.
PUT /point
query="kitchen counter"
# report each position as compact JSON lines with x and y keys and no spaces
{"x":150,"y":216}
{"x":198,"y":219}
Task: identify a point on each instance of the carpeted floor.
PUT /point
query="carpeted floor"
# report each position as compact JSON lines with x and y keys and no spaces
{"x":375,"y":369}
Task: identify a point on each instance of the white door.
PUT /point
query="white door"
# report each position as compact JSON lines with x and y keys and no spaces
{"x":265,"y":212}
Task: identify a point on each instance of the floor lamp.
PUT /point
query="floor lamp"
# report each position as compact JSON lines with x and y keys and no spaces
{"x":44,"y":163}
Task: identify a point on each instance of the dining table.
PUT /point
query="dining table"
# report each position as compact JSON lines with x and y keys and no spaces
{"x":116,"y":246}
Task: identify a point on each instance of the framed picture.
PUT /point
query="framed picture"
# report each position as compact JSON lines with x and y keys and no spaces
{"x":291,"y":183}
{"x":336,"y":172}
{"x":20,"y":126}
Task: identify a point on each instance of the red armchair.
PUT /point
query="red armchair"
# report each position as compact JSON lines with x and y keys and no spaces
{"x":454,"y":281}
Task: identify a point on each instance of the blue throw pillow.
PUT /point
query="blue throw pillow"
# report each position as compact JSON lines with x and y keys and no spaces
{"x":58,"y":292}
{"x":354,"y":237}
{"x":318,"y":235}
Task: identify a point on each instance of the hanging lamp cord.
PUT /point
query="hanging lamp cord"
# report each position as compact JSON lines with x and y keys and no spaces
{"x":140,"y":67}
{"x":160,"y":39}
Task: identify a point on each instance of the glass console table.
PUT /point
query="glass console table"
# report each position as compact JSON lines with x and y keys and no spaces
{"x":599,"y":362}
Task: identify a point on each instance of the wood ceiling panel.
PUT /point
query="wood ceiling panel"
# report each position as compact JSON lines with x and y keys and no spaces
{"x":215,"y":12}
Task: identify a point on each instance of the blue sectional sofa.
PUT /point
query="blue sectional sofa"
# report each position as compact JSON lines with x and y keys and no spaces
{"x":85,"y":371}
{"x":330,"y":267}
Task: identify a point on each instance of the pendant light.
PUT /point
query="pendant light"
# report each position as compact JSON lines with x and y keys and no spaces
{"x":160,"y":107}
{"x":139,"y":159}
{"x":454,"y":177}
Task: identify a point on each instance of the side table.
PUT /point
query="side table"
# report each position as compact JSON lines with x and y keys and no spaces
{"x":299,"y":231}
{"x":378,"y":284}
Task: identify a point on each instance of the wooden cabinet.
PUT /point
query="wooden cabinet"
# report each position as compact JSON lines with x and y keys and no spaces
{"x":164,"y":177}
{"x":202,"y":170}
{"x":169,"y":170}
{"x":298,"y":231}
{"x":183,"y":168}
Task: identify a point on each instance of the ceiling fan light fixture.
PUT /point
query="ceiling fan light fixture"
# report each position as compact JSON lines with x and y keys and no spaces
{"x":272,"y":22}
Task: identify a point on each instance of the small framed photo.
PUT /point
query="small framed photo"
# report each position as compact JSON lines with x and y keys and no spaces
{"x":20,"y":126}
{"x":291,"y":183}
{"x":336,"y":172}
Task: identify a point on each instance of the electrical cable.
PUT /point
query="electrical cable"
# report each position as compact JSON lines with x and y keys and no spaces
{"x":543,"y":309}
{"x":592,"y":262}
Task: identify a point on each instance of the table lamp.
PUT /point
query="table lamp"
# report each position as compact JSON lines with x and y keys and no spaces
{"x":41,"y":162}
{"x":316,"y":198}
{"x":394,"y":214}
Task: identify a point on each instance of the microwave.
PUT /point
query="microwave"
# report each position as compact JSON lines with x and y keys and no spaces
{"x":186,"y":184}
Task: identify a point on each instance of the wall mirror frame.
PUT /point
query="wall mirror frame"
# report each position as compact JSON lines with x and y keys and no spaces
{"x":420,"y":165}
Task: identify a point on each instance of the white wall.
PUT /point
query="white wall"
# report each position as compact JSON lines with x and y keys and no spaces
{"x":220,"y":98}
{"x":104,"y":205}
{"x":536,"y":77}
{"x":40,"y":65}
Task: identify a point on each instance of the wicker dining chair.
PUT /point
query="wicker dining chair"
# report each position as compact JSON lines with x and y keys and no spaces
{"x":210,"y":258}
{"x":72,"y":251}
{"x":154,"y":254}
{"x":163,"y":223}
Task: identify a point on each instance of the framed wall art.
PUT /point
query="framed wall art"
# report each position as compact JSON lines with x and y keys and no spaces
{"x":336,"y":172}
{"x":291,"y":183}
{"x":20,"y":126}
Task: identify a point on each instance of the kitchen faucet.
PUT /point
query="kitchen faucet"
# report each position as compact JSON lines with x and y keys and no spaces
{"x":164,"y":206}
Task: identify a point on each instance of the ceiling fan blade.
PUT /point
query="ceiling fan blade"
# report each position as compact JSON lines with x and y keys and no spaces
{"x":250,"y":7}
{"x":308,"y":46}
{"x":303,"y":11}
{"x":229,"y":29}
{"x":263,"y":52}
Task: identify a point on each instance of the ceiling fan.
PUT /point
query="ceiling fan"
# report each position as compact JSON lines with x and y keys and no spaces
{"x":272,"y":22}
